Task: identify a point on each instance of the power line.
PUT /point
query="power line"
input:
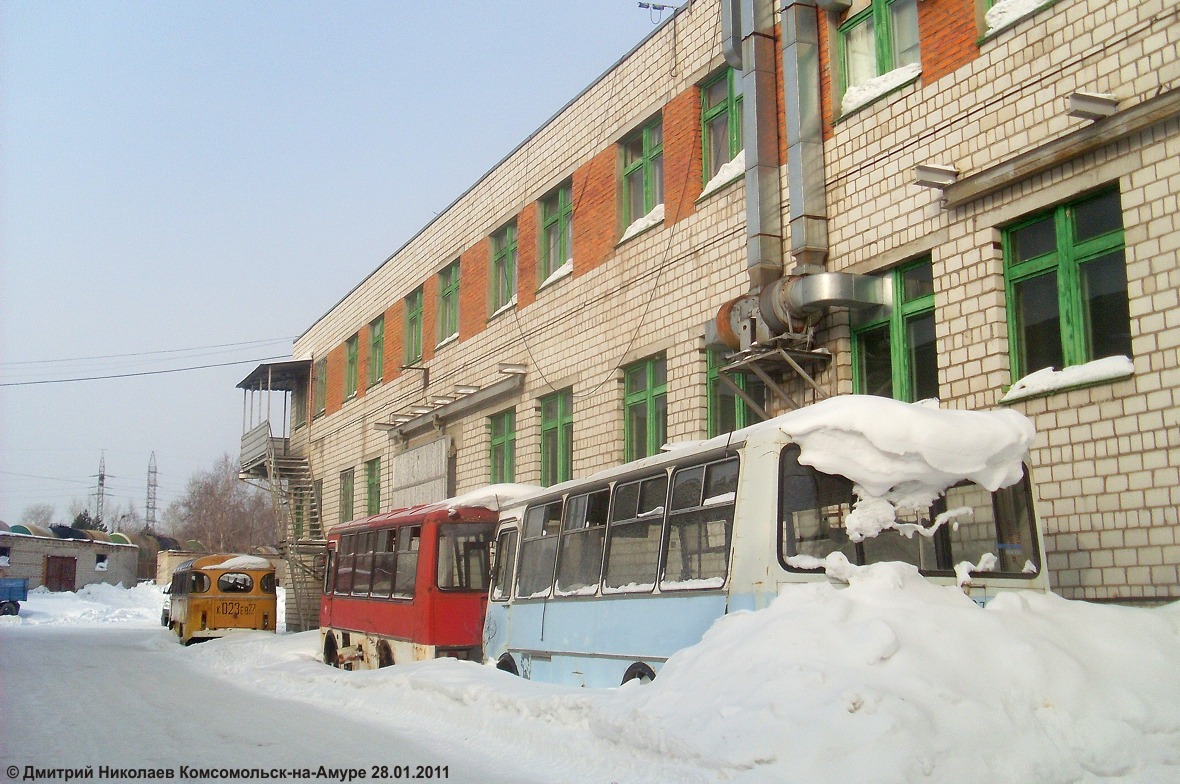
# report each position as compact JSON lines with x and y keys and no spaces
{"x":139,"y":373}
{"x":264,"y":342}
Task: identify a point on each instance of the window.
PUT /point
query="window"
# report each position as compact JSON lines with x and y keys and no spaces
{"x":505,"y":566}
{"x":347,"y":494}
{"x":463,"y":551}
{"x":583,"y":536}
{"x":633,"y":537}
{"x":350,"y":362}
{"x":376,"y":350}
{"x":362,"y":580}
{"x":538,"y":550}
{"x":320,"y":387}
{"x":395,"y":562}
{"x":700,"y":525}
{"x":100,"y":562}
{"x":373,"y":486}
{"x":1066,"y":279}
{"x":299,"y":404}
{"x":235,"y":582}
{"x":727,"y":410}
{"x":645,"y":401}
{"x":503,"y":450}
{"x":894,"y":351}
{"x":643,"y":171}
{"x":877,"y":40}
{"x":448,"y":301}
{"x":413,"y":304}
{"x":557,"y":437}
{"x":721,"y":121}
{"x":557,"y":229}
{"x":503,"y":266}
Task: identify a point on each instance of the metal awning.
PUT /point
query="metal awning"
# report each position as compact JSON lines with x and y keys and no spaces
{"x":278,"y":376}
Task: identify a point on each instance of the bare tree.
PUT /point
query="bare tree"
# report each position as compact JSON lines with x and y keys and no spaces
{"x":222,"y":512}
{"x":38,"y":514}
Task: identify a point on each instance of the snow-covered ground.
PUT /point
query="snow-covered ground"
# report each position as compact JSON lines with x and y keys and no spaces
{"x":890,"y":679}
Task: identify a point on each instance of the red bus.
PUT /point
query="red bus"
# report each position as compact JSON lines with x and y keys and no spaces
{"x":408,"y":585}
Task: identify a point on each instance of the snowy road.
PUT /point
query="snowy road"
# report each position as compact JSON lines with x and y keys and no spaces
{"x":128,"y":697}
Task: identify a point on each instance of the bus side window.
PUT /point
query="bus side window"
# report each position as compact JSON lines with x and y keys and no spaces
{"x":583,"y":535}
{"x":634,"y":533}
{"x":505,"y":566}
{"x":199,"y":583}
{"x":406,"y":568}
{"x":384,"y":556}
{"x":345,"y":563}
{"x":363,"y":571}
{"x":538,"y":550}
{"x":812,"y":508}
{"x":330,"y":570}
{"x":700,"y":525}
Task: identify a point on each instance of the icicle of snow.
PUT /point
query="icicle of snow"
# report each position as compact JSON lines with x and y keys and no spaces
{"x":858,"y":95}
{"x":726,"y":174}
{"x":1050,"y":380}
{"x":963,"y":569}
{"x":653,"y":218}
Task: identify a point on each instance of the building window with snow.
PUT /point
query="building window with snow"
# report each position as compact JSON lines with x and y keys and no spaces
{"x":721,"y":122}
{"x":643,"y":176}
{"x":503,"y":446}
{"x":320,"y":387}
{"x":645,"y":401}
{"x":373,"y":486}
{"x":893,"y":346}
{"x":376,"y":350}
{"x":878,"y":50}
{"x":557,"y":442}
{"x":351,"y":358}
{"x":413,"y":327}
{"x":1066,"y":278}
{"x":448,"y":302}
{"x":727,"y":410}
{"x":557,"y":231}
{"x":504,"y":267}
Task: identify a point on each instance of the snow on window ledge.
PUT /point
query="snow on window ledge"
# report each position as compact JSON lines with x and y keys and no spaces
{"x":563,"y":271}
{"x":1047,"y":380}
{"x":859,"y":95}
{"x":652,"y":219}
{"x":1006,"y":13}
{"x":509,"y":305}
{"x":449,"y":339}
{"x":730,"y":172}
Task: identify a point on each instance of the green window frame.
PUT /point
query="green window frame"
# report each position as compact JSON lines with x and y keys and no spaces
{"x":877,"y":40}
{"x":894,"y":353}
{"x":376,"y":350}
{"x":645,"y":407}
{"x":448,"y":301}
{"x":643,"y":171}
{"x":351,"y":358}
{"x":347,"y":494}
{"x":557,"y":437}
{"x":320,"y":387}
{"x":413,"y":349}
{"x":727,"y":411}
{"x":557,"y":229}
{"x":1065,"y":274}
{"x":721,"y":122}
{"x":502,"y":428}
{"x":373,"y":486}
{"x":504,"y":256}
{"x":299,"y":405}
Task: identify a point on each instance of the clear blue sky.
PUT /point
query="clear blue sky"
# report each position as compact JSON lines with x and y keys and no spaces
{"x":215,"y":176}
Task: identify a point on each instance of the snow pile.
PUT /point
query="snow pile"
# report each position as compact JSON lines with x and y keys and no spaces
{"x":653,"y":218}
{"x":858,"y":95}
{"x":243,"y":562}
{"x":735,"y":168}
{"x":902,"y":456}
{"x":494,"y":497}
{"x":96,"y":604}
{"x":1006,"y":12}
{"x":1049,"y":380}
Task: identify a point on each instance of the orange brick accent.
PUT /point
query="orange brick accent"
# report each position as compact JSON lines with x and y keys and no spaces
{"x":596,"y":217}
{"x":949,"y":34}
{"x":682,"y":155}
{"x":334,"y":399}
{"x":526,"y":256}
{"x":395,"y":326}
{"x":429,"y":316}
{"x":473,"y":289}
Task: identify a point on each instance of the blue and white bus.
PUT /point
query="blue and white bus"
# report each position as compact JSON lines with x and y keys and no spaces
{"x":598,"y":581}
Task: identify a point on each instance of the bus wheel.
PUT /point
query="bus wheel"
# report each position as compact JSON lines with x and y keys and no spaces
{"x":9,"y":608}
{"x":506,"y":664}
{"x":640,"y":672}
{"x":330,"y":650}
{"x":384,"y":655}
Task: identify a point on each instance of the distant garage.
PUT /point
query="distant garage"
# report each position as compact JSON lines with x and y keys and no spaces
{"x":66,"y":564}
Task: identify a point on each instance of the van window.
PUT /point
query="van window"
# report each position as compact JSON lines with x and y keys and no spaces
{"x":538,"y":550}
{"x":700,"y":525}
{"x":235,"y":582}
{"x":583,"y":536}
{"x":633,"y":535}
